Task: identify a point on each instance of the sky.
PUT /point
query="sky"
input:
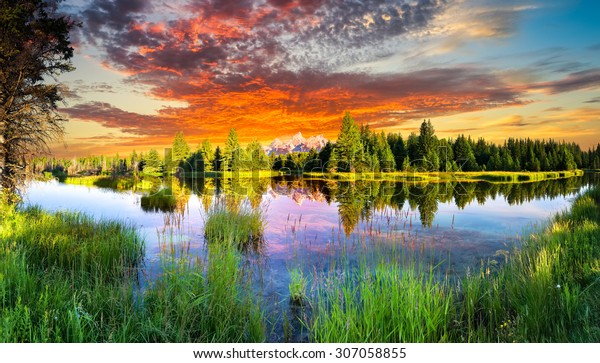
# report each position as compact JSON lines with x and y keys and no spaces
{"x":146,"y":69}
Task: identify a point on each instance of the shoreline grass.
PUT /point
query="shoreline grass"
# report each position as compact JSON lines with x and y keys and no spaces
{"x":229,"y":222}
{"x":126,"y":183}
{"x":67,"y":278}
{"x":118,"y":183}
{"x":459,"y":176}
{"x":547,"y":291}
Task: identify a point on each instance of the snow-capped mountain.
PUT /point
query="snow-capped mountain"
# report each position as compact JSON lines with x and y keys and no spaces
{"x":297,"y":143}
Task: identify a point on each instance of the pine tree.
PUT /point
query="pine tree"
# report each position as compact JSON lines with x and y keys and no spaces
{"x":325,"y":154}
{"x":387,"y":163}
{"x":180,"y":149}
{"x":412,"y":146}
{"x":445,"y":155}
{"x":398,"y":149}
{"x":258,"y":158}
{"x":134,"y":162}
{"x":208,"y":155}
{"x":463,"y":154}
{"x":232,"y":152}
{"x":566,"y":160}
{"x":405,"y":164}
{"x":494,"y":163}
{"x":427,"y":149}
{"x":218,"y":164}
{"x":348,"y":148}
{"x":152,"y":164}
{"x":35,"y":48}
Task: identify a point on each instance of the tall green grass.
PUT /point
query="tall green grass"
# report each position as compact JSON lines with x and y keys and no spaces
{"x":230,"y":222}
{"x":188,"y":303}
{"x":298,"y":287}
{"x":73,"y":242}
{"x":67,"y":278}
{"x":390,"y":304}
{"x":547,"y":291}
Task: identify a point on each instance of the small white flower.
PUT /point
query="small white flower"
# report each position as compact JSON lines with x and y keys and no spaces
{"x":558,"y":286}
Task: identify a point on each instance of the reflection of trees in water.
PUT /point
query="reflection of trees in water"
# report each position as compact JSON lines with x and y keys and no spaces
{"x":358,"y":200}
{"x":172,"y":196}
{"x":234,"y":190}
{"x":425,"y":198}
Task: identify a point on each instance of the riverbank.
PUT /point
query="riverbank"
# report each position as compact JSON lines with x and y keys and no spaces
{"x":67,"y":278}
{"x":548,"y":290}
{"x":147,"y":182}
{"x":459,"y":176}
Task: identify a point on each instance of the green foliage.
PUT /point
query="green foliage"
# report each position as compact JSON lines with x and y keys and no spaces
{"x":298,"y":287}
{"x":181,"y":150}
{"x":228,"y":222}
{"x":152,"y":163}
{"x":232,"y":153}
{"x":463,"y":154}
{"x":218,"y":161}
{"x":35,"y":48}
{"x":257,"y":158}
{"x":428,"y":159}
{"x":377,"y":153}
{"x":348,"y":148}
{"x":208,"y":155}
{"x":66,"y":278}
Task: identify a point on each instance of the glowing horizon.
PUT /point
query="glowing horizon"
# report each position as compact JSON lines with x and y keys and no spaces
{"x":272,"y":68}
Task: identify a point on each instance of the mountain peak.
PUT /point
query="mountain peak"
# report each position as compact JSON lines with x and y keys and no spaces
{"x":297,"y":143}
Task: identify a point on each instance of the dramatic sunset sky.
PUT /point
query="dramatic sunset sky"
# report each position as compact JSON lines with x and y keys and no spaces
{"x":271,"y":68}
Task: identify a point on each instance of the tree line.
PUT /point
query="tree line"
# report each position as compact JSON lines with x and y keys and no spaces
{"x":357,"y":149}
{"x":360,"y":149}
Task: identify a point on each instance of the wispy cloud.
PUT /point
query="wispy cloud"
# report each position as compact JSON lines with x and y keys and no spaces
{"x":593,"y":100}
{"x":587,"y":79}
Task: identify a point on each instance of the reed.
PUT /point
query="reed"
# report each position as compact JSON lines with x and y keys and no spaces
{"x":67,"y":278}
{"x":547,"y":291}
{"x":228,"y":222}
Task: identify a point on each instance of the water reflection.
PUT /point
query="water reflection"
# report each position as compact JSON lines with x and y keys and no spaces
{"x":357,"y":201}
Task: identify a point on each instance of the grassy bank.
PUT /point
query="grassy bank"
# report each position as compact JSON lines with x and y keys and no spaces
{"x":489,"y":176}
{"x":547,"y":291}
{"x":244,"y":174}
{"x":67,"y":278}
{"x":118,"y":183}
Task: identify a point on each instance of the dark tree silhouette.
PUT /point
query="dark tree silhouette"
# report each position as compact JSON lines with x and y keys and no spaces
{"x":34,"y":47}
